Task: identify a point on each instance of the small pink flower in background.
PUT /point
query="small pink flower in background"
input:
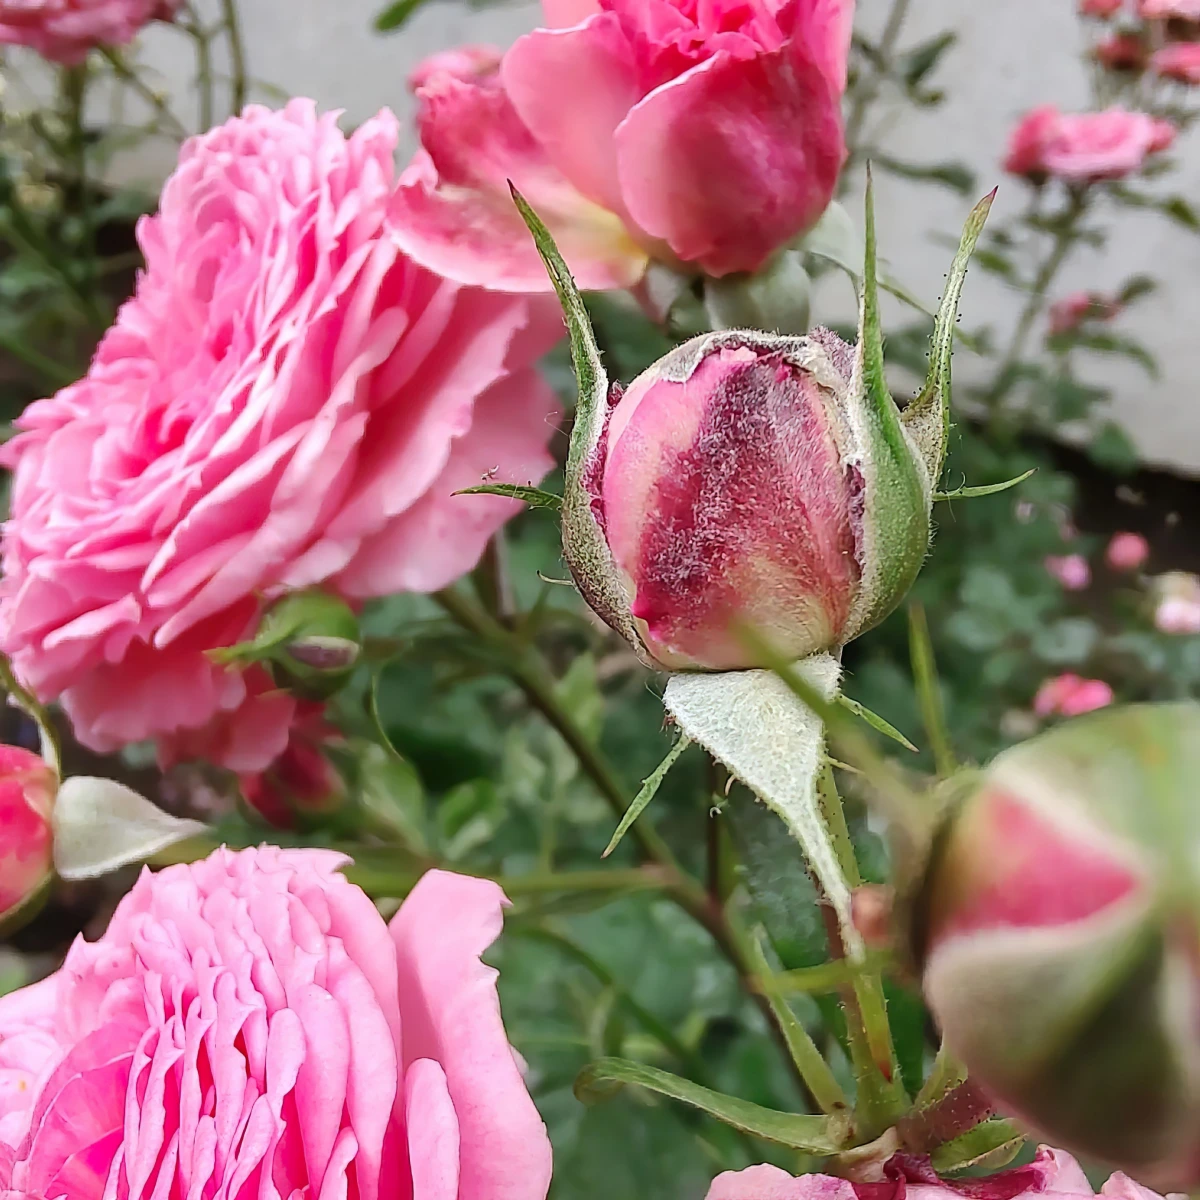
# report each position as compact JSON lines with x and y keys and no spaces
{"x":1071,"y":570}
{"x":27,"y":790}
{"x":707,"y":135}
{"x":1177,"y":603}
{"x":1066,"y":315}
{"x":286,"y":402}
{"x":63,"y":31}
{"x":1070,"y":696}
{"x":1085,"y":147}
{"x":1121,"y":52}
{"x":1100,"y":8}
{"x":1127,"y":552}
{"x":1053,"y":1173}
{"x":301,"y":782}
{"x":1188,"y":10}
{"x":1179,"y":61}
{"x":249,"y":1026}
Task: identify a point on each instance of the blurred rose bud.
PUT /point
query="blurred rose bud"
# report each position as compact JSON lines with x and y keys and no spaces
{"x":1121,"y":52}
{"x":1058,"y":936}
{"x":729,"y":483}
{"x":1100,"y":8}
{"x":301,"y":787}
{"x":1071,"y":570}
{"x":1070,"y":696}
{"x":1179,"y":61}
{"x":311,"y":642}
{"x":27,"y":790}
{"x":1127,"y":552}
{"x":1177,"y":603}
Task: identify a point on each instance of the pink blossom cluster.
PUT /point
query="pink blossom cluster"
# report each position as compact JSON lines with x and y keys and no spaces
{"x":1070,"y":695}
{"x":1085,"y":147}
{"x":63,"y":31}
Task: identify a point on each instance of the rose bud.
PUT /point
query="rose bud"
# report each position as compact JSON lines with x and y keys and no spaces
{"x":1058,"y":937}
{"x":302,"y":786}
{"x":752,"y":480}
{"x":309,"y":641}
{"x":27,"y":790}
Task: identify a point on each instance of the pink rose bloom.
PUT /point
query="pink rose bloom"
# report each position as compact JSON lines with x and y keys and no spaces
{"x":1054,"y":1173}
{"x":1070,"y":696}
{"x":1066,"y":315}
{"x":65,"y":30}
{"x":1177,"y":603}
{"x":1179,"y":61}
{"x":27,"y":790}
{"x":701,"y":134}
{"x":1187,"y":10}
{"x":1100,"y":8}
{"x":1071,"y":570}
{"x":463,"y":62}
{"x":302,"y":784}
{"x":287,"y":401}
{"x":1127,"y":552}
{"x":249,"y":1026}
{"x":1085,"y":147}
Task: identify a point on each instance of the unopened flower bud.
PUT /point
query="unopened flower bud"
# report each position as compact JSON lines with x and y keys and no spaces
{"x":27,"y":790}
{"x":730,"y":486}
{"x":1058,"y":936}
{"x":311,"y":643}
{"x":301,"y":787}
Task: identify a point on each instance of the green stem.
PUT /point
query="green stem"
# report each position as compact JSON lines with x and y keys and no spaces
{"x":869,"y":91}
{"x":1060,"y":247}
{"x":528,"y":670}
{"x":929,"y":695}
{"x":239,"y":82}
{"x":204,"y":72}
{"x":128,"y":76}
{"x":881,"y":1097}
{"x":809,"y":1062}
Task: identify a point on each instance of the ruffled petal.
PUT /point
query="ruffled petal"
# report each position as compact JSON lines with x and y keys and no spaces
{"x":454,"y":214}
{"x":734,"y":159}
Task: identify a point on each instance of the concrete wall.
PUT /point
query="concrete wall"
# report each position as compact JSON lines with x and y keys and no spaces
{"x":1011,"y":55}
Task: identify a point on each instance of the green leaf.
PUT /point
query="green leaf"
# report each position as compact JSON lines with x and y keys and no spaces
{"x":396,"y":15}
{"x":921,"y":59}
{"x":534,"y":497}
{"x":812,"y":1134}
{"x":954,"y":175}
{"x":876,"y":722}
{"x":647,"y":792}
{"x":1113,"y":343}
{"x":984,"y":489}
{"x":928,"y":416}
{"x":990,"y":1145}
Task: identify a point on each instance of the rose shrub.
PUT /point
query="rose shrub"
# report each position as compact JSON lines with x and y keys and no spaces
{"x":286,"y":401}
{"x":248,"y":1025}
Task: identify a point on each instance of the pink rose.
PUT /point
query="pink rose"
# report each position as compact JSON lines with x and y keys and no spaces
{"x":1127,"y":552}
{"x":286,"y":402}
{"x":1177,"y":603}
{"x":705,"y":135}
{"x":249,"y":1026}
{"x":1100,"y":8}
{"x":1071,"y":696}
{"x":1187,"y":10}
{"x":1085,"y":147}
{"x":1053,"y":1173}
{"x":1071,"y":570}
{"x":463,"y":62}
{"x":1066,"y":315}
{"x":27,"y":790}
{"x":65,"y":30}
{"x":1179,"y":61}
